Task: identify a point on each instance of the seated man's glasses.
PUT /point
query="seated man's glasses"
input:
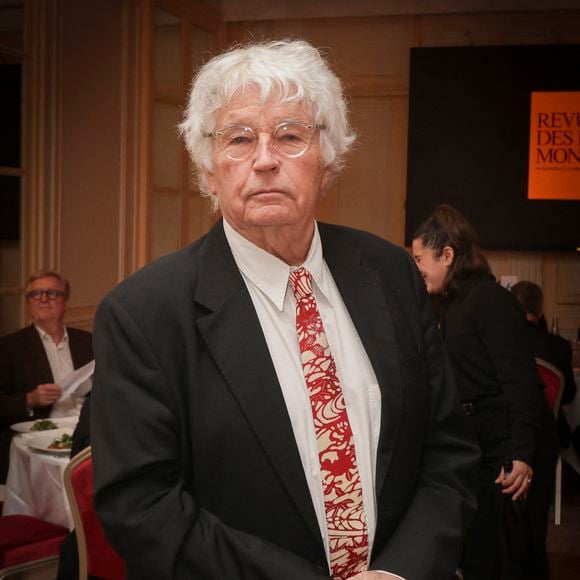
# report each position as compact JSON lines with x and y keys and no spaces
{"x":38,"y":294}
{"x":289,"y":139}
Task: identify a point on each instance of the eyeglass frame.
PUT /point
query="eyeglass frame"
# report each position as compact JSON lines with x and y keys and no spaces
{"x":272,"y":131}
{"x":50,"y":293}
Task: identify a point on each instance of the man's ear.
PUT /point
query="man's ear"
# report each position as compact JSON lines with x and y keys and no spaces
{"x":207,"y":178}
{"x":327,"y":179}
{"x":448,"y":255}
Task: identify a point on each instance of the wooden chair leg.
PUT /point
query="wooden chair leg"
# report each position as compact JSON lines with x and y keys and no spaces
{"x":558,"y":493}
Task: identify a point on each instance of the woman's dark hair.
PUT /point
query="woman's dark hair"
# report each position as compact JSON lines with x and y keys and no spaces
{"x":448,"y":227}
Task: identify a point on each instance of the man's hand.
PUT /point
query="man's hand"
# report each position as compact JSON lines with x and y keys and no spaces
{"x":518,"y":481}
{"x":43,"y":395}
{"x":375,"y":575}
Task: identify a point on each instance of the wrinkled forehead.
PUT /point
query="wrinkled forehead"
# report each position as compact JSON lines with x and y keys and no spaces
{"x":251,"y":105}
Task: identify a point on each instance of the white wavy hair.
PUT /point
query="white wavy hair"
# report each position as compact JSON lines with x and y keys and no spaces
{"x":291,"y":70}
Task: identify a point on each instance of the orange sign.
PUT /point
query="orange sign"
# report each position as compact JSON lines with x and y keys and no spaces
{"x":554,"y":169}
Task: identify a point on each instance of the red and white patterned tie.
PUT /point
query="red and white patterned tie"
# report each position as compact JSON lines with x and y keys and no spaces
{"x":343,"y":500}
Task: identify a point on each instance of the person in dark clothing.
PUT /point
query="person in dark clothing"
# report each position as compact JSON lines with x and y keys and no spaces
{"x":36,"y":359}
{"x":213,"y":367}
{"x":485,"y":334}
{"x":553,"y":349}
{"x":550,"y":347}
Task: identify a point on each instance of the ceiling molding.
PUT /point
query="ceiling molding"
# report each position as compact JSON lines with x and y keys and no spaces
{"x":245,"y":10}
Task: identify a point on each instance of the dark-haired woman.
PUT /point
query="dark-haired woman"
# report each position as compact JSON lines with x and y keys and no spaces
{"x":484,"y":330}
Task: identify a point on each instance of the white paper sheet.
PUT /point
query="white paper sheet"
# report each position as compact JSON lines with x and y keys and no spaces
{"x":79,"y":382}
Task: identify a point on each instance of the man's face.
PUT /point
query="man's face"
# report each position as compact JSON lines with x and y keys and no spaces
{"x":433,"y":268}
{"x":266,"y":189}
{"x":46,"y":310}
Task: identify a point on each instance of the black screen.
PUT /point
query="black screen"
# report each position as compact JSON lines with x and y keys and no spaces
{"x":469,"y":123}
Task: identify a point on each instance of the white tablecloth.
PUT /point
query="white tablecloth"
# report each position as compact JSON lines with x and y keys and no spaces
{"x":35,"y":484}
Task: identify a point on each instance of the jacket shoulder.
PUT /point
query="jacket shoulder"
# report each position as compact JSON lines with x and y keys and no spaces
{"x":158,"y":290}
{"x":79,"y":334}
{"x":158,"y":277}
{"x":22,"y":335}
{"x":492,"y":293}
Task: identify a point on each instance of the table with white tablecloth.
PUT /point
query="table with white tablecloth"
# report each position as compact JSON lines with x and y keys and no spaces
{"x":35,"y":484}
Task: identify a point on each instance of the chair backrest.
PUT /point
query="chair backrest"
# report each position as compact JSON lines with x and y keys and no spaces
{"x":553,"y":381}
{"x":96,"y":555}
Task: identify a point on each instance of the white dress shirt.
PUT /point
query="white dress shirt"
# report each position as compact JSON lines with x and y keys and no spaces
{"x":59,"y":357}
{"x":266,"y":278}
{"x":61,"y":365}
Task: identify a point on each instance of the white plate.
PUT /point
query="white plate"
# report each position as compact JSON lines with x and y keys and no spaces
{"x":26,"y":426}
{"x":41,"y":440}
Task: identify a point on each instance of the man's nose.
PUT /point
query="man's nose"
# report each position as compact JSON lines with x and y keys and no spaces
{"x":265,"y":156}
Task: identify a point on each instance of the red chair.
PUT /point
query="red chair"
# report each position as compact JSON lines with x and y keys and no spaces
{"x":29,"y":545}
{"x":96,"y":555}
{"x":553,"y":381}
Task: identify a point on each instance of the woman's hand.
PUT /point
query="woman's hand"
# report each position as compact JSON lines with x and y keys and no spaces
{"x":517,"y":482}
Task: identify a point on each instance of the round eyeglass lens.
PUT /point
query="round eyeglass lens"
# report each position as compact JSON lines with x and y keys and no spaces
{"x":237,"y":142}
{"x":292,"y":139}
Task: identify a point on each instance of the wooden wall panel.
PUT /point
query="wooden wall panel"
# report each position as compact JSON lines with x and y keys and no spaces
{"x":364,"y":46}
{"x":90,"y":153}
{"x":496,"y":29}
{"x":251,"y":10}
{"x":371,"y":190}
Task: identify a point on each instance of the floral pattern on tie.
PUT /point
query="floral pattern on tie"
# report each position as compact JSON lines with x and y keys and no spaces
{"x":345,"y":518}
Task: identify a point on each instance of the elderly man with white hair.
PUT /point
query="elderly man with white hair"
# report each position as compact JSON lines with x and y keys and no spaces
{"x":273,"y":401}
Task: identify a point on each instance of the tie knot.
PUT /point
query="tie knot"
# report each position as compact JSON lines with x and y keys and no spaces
{"x":301,"y":283}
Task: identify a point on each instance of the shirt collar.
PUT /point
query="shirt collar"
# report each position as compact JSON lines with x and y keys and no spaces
{"x":46,"y":337}
{"x":270,"y":274}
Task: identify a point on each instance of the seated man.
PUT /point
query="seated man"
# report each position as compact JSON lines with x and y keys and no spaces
{"x":36,"y":358}
{"x":550,"y":347}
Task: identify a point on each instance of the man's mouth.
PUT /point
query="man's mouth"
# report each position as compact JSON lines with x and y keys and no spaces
{"x":265,"y":192}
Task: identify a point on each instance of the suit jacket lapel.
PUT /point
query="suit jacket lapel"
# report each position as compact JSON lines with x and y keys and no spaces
{"x":75,"y":352}
{"x":234,"y":336}
{"x":367,"y":303}
{"x":36,"y":357}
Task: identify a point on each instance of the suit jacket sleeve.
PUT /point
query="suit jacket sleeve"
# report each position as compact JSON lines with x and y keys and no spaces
{"x":13,"y":407}
{"x":150,"y":514}
{"x":426,"y":543}
{"x":17,"y":377}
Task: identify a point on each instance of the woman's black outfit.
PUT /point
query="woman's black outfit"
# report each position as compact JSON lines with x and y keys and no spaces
{"x":484,"y":330}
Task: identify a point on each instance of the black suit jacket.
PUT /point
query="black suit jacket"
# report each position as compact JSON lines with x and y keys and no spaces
{"x":23,"y":366}
{"x":197,"y":472}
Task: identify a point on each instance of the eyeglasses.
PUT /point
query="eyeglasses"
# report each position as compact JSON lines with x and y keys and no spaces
{"x":290,"y":139}
{"x":39,"y":294}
